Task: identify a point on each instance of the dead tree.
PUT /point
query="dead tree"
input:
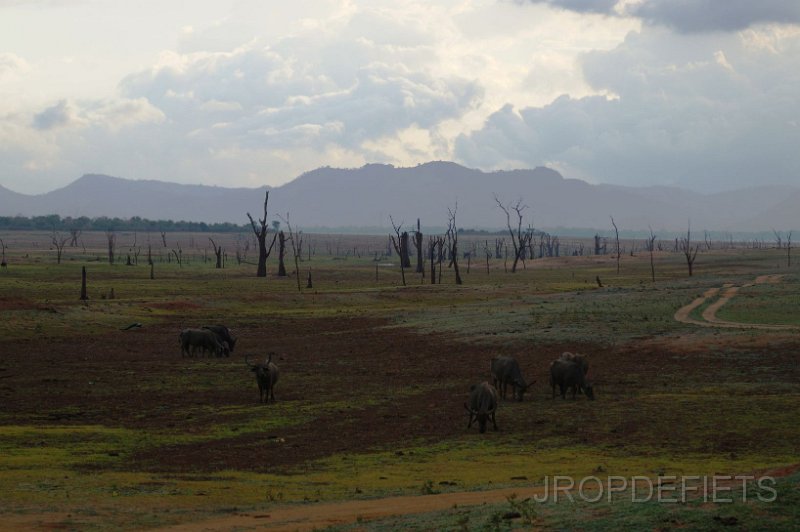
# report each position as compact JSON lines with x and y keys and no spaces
{"x":600,"y":245}
{"x":778,"y":239}
{"x":300,"y":242}
{"x":779,"y":243}
{"x":616,"y":236}
{"x":433,"y":243}
{"x":293,"y":240}
{"x":178,"y":254}
{"x":261,"y":237}
{"x":452,"y":242}
{"x":111,"y":237}
{"x":135,"y":249}
{"x":281,"y":254}
{"x":405,"y":256}
{"x":397,"y":244}
{"x":241,"y":251}
{"x":84,"y":297}
{"x":74,"y":234}
{"x":499,"y":245}
{"x":217,"y":252}
{"x":651,"y":244}
{"x":689,"y":252}
{"x":58,"y":242}
{"x":441,"y":251}
{"x":418,"y":245}
{"x":519,"y":239}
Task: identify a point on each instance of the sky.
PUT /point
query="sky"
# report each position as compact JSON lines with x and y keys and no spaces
{"x":700,"y":94}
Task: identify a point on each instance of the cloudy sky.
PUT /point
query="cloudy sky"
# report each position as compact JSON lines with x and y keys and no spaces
{"x":695,"y":93}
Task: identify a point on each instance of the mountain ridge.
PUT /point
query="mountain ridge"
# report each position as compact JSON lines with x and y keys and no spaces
{"x":369,"y":195}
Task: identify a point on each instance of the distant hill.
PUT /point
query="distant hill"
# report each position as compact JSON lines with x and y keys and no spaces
{"x":100,"y":195}
{"x":367,"y":196}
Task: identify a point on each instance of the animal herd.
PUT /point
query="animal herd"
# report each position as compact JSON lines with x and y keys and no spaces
{"x":211,"y":339}
{"x":218,"y":340}
{"x":568,"y":373}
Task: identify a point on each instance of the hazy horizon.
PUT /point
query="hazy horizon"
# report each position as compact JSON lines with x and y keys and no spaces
{"x":488,"y":172}
{"x":695,"y":94}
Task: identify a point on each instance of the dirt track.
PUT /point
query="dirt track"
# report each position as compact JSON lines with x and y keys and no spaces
{"x":317,"y":516}
{"x":728,"y":292}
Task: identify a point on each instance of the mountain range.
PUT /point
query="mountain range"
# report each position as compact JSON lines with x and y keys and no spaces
{"x":368,"y":196}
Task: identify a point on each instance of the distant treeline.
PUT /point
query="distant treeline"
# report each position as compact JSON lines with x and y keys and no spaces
{"x":54,"y":222}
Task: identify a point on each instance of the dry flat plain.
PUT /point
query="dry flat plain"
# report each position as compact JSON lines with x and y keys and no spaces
{"x":108,"y":428}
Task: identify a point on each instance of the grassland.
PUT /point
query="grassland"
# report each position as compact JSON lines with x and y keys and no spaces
{"x":103,"y":427}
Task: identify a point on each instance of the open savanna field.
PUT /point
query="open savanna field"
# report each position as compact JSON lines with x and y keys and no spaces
{"x":105,"y":428}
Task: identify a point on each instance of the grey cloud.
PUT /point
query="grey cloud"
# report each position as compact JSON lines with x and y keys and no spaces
{"x":693,"y":16}
{"x":278,"y":97}
{"x":60,"y":114}
{"x":682,"y":116}
{"x":690,"y":16}
{"x":582,"y":6}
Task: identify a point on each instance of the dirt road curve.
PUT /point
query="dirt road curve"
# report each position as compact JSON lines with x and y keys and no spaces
{"x":710,"y":313}
{"x":318,"y":516}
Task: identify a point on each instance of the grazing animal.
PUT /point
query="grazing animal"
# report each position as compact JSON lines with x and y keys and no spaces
{"x":569,"y":374}
{"x":482,"y":405}
{"x":199,"y":338}
{"x":578,"y":359}
{"x":224,"y":336}
{"x":266,"y":376}
{"x":505,"y":370}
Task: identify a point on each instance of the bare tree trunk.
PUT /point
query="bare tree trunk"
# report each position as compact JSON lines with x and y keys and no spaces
{"x":261,"y":237}
{"x":520,"y":240}
{"x":281,"y":254}
{"x":418,"y":245}
{"x":404,"y":253}
{"x":178,"y":256}
{"x":293,"y":237}
{"x":217,"y":253}
{"x":59,"y":242}
{"x":616,"y":236}
{"x":432,"y":241}
{"x":111,"y":236}
{"x":688,"y":252}
{"x":452,"y":239}
{"x":651,"y":244}
{"x":789,"y":250}
{"x":398,"y":246}
{"x":84,"y":297}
